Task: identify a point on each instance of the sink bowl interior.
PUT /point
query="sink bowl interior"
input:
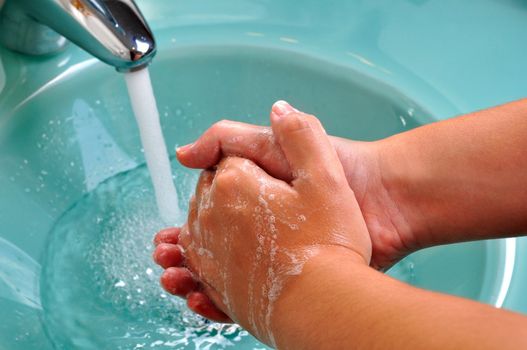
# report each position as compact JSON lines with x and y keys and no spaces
{"x":70,"y":136}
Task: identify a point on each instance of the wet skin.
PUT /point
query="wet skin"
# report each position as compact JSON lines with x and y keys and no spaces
{"x":317,"y":187}
{"x":178,"y":280}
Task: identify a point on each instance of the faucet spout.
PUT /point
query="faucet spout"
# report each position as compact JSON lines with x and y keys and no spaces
{"x":114,"y":31}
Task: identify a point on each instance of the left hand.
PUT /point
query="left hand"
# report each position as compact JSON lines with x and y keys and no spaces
{"x":248,"y":234}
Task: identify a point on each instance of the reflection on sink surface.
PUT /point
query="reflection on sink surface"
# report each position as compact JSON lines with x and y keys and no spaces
{"x":18,"y":274}
{"x":69,"y":131}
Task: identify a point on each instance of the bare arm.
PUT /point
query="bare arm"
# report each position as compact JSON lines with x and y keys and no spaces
{"x":364,"y":309}
{"x":461,"y":179}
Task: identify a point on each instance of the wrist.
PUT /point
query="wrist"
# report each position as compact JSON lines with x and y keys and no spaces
{"x":401,"y":171}
{"x":305,"y":302}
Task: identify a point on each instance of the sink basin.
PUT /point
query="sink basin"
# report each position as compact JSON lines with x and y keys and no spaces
{"x":67,"y":132}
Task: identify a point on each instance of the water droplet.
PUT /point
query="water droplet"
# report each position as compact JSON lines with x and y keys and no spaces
{"x":120,"y":284}
{"x":403,"y":120}
{"x":289,"y":40}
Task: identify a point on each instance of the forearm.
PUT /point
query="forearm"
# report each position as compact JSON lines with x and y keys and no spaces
{"x":347,"y":305}
{"x":461,"y":179}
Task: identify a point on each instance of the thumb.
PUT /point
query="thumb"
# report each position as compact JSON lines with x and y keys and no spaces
{"x":306,"y":146}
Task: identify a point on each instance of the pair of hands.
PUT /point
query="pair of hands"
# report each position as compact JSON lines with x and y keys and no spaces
{"x":278,"y":196}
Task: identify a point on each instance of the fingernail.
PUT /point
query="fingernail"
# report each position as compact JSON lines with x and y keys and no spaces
{"x":184,"y":149}
{"x":282,"y":108}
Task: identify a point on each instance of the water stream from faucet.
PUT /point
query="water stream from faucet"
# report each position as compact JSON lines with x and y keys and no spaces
{"x":147,"y":116}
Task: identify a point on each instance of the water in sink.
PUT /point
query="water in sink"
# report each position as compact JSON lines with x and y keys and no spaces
{"x":99,"y":285}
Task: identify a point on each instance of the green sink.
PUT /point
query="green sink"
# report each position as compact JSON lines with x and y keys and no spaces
{"x":70,"y":150}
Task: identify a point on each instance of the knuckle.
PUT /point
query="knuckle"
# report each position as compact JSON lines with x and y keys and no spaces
{"x":229,"y":180}
{"x":225,"y":180}
{"x":185,"y":237}
{"x":232,"y":164}
{"x":221,"y":124}
{"x":295,"y":122}
{"x":332,"y":181}
{"x":311,"y":118}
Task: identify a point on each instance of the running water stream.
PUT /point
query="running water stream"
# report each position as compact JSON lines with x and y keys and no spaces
{"x":147,"y":116}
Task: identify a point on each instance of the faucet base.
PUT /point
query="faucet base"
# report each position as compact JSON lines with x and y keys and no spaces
{"x":19,"y":32}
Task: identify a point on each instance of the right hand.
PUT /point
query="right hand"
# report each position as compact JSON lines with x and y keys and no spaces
{"x":390,"y":233}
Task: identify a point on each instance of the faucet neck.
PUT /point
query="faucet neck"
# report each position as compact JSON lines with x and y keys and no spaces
{"x":112,"y":30}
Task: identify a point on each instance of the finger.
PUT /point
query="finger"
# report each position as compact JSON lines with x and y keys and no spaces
{"x":178,"y":281}
{"x":238,"y":177}
{"x":168,"y":235}
{"x":200,"y":303}
{"x":306,"y":146}
{"x":228,"y":138}
{"x":168,"y":255}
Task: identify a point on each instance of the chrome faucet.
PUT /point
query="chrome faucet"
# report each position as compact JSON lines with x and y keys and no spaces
{"x":114,"y":31}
